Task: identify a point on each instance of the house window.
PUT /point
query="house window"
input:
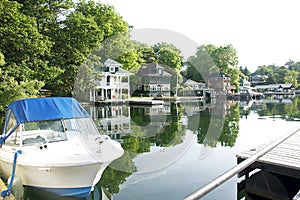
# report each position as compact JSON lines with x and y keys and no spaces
{"x":111,"y":69}
{"x":153,"y":88}
{"x":146,"y":88}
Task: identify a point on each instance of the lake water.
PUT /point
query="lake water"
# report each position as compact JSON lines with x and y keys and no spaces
{"x":172,"y":150}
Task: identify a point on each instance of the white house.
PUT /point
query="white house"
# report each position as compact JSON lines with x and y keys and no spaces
{"x":112,"y":83}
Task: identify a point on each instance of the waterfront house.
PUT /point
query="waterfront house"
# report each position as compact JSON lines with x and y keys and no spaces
{"x":194,"y":84}
{"x":220,"y":82}
{"x":288,"y":88}
{"x":258,"y":79}
{"x":155,"y":81}
{"x":112,"y":83}
{"x":193,"y":88}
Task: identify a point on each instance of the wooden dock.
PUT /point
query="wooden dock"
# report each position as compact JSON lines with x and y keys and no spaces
{"x":271,"y":171}
{"x":278,"y":175}
{"x":145,"y":101}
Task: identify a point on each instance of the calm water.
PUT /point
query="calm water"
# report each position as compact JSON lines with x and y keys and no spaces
{"x":172,"y":150}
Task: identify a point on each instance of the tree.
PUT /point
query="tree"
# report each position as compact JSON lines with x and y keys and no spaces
{"x":291,"y":77}
{"x":73,"y":44}
{"x":245,"y":71}
{"x":105,"y":16}
{"x":200,"y":66}
{"x":224,"y":57}
{"x":168,"y":55}
{"x":148,"y":54}
{"x":47,"y":13}
{"x":210,"y":59}
{"x":11,"y":89}
{"x":83,"y":30}
{"x":267,"y":71}
{"x":23,"y":47}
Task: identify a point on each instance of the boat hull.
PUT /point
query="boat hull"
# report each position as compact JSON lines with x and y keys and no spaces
{"x":65,"y":173}
{"x":77,"y":181}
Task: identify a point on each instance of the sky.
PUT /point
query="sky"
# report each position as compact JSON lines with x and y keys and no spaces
{"x":263,"y":32}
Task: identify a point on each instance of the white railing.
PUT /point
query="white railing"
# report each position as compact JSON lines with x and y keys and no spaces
{"x":112,"y":84}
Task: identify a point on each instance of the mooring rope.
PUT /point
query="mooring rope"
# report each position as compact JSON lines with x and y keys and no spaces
{"x":7,"y":192}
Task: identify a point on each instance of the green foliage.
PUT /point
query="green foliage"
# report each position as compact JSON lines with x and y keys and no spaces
{"x":2,"y":61}
{"x":22,"y":45}
{"x":168,"y":55}
{"x":11,"y":90}
{"x":244,"y":74}
{"x":147,"y":53}
{"x":231,"y":127}
{"x":204,"y":63}
{"x":47,"y":13}
{"x":105,"y":17}
{"x":22,"y":54}
{"x":284,"y":74}
{"x":291,"y":77}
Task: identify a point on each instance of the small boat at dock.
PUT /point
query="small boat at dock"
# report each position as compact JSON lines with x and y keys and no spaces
{"x":54,"y":146}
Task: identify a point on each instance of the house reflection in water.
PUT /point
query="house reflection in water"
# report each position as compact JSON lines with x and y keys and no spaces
{"x":117,"y":120}
{"x":112,"y":120}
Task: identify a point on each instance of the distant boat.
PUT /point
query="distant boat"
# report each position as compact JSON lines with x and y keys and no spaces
{"x":60,"y":149}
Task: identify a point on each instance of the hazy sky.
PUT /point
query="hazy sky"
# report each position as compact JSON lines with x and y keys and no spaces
{"x":262,"y":31}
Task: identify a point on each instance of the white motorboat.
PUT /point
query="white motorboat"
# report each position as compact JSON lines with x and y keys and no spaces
{"x":55,"y":146}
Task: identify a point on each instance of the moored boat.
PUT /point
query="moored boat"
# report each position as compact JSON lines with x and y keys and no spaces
{"x":59,"y":147}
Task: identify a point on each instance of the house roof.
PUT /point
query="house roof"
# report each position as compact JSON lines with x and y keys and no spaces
{"x":192,"y":82}
{"x":151,"y":70}
{"x":218,"y":75}
{"x":288,"y":85}
{"x":117,"y":70}
{"x":111,"y":63}
{"x":274,"y":86}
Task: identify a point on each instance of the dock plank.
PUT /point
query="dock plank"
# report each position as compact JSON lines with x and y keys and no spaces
{"x":286,"y":154}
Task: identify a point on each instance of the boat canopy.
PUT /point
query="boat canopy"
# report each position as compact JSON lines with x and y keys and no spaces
{"x":42,"y":109}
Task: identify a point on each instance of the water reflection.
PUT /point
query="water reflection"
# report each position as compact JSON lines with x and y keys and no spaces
{"x":155,"y":128}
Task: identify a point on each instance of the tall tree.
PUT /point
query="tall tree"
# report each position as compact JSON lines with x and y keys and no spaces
{"x":210,"y":58}
{"x":105,"y":16}
{"x":224,"y":57}
{"x":83,"y":30}
{"x":11,"y":89}
{"x":23,"y":47}
{"x":291,"y":77}
{"x":147,"y":53}
{"x":169,"y":55}
{"x":47,"y":13}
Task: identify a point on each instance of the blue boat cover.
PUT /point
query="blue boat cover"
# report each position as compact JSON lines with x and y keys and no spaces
{"x":51,"y":108}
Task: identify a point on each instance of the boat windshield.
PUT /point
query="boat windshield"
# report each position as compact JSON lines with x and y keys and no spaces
{"x":37,"y":132}
{"x":43,"y":131}
{"x":82,"y":126}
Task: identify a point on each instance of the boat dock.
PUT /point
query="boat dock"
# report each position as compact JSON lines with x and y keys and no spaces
{"x":145,"y":101}
{"x":278,"y":175}
{"x":4,"y":187}
{"x":270,"y":171}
